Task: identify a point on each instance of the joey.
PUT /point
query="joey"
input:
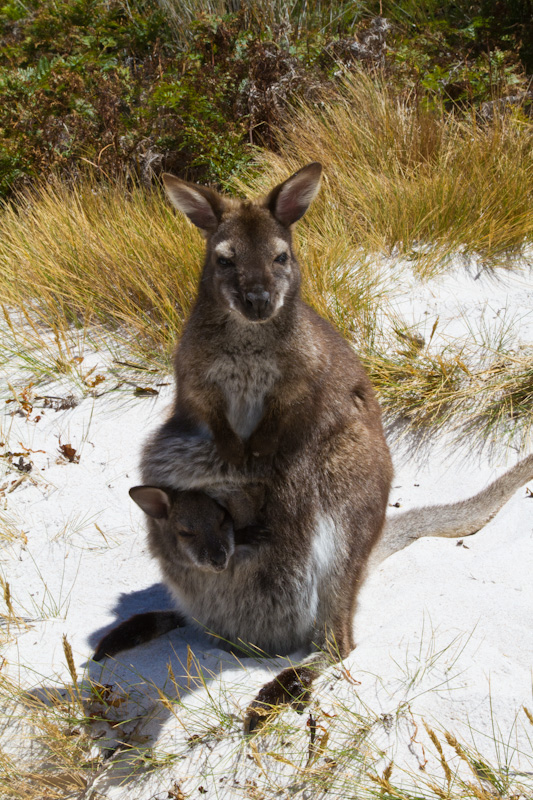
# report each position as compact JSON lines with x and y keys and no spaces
{"x":192,"y":536}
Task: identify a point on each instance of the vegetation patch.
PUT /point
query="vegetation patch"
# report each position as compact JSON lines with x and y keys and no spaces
{"x":139,"y":87}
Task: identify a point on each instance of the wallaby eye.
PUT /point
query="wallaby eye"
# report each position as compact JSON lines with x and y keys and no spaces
{"x":225,"y":262}
{"x":186,"y":534}
{"x":281,"y":259}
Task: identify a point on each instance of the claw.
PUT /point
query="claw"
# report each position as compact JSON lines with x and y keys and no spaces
{"x":257,"y":715}
{"x":290,"y":688}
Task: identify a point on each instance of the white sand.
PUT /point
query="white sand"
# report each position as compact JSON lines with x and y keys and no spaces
{"x":444,"y":631}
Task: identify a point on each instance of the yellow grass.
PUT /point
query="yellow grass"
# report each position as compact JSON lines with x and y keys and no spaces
{"x":84,"y":254}
{"x":401,"y":177}
{"x":117,"y":264}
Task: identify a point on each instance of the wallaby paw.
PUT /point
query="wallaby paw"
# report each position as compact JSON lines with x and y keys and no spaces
{"x":114,"y":642}
{"x":290,"y":688}
{"x":136,"y":630}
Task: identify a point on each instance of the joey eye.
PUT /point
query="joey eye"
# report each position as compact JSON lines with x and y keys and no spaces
{"x":281,"y":259}
{"x":186,"y":534}
{"x":225,"y":262}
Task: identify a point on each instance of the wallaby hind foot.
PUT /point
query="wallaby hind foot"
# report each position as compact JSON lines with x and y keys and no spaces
{"x":136,"y":630}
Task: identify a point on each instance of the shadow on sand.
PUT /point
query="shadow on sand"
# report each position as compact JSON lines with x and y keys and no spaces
{"x":167,"y":695}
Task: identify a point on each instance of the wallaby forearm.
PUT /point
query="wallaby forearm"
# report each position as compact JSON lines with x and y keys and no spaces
{"x":193,"y":462}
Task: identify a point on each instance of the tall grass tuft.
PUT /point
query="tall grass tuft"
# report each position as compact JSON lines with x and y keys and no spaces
{"x":72,"y":256}
{"x":404,"y":176}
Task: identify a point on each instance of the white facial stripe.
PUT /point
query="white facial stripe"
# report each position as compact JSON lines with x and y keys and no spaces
{"x":280,"y":299}
{"x":280,"y":246}
{"x":229,"y":298}
{"x":225,"y":249}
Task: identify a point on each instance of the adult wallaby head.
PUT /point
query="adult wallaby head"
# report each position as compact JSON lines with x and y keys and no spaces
{"x":188,"y":528}
{"x":250,"y":268}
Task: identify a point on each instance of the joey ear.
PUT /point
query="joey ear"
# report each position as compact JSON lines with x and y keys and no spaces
{"x":289,"y":201}
{"x":153,"y":501}
{"x":203,"y":206}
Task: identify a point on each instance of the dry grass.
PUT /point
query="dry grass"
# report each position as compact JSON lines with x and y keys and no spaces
{"x":54,"y":746}
{"x":259,"y":15}
{"x":71,"y":257}
{"x":400,"y":176}
{"x":115,"y":265}
{"x":48,"y":752}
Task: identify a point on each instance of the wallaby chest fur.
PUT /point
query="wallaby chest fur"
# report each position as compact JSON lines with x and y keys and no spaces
{"x":244,"y":366}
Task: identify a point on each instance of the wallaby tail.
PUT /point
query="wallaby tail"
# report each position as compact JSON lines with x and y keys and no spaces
{"x":453,"y":520}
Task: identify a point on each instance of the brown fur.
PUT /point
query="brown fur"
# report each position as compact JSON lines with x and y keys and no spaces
{"x":187,"y":531}
{"x":268,"y":391}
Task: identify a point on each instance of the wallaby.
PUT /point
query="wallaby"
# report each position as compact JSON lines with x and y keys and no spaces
{"x":268,"y":391}
{"x":453,"y":520}
{"x":189,"y":533}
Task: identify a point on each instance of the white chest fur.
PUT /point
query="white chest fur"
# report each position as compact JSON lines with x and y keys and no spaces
{"x":245,"y":380}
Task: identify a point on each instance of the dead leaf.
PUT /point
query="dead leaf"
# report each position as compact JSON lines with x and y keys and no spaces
{"x":69,"y":452}
{"x":175,"y":793}
{"x":95,"y":381}
{"x":144,"y":391}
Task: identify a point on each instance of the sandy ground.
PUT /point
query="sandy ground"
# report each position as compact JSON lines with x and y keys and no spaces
{"x":443,"y":628}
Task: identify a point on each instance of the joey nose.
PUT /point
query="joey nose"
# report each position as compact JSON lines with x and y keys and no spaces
{"x":259,"y":300}
{"x":219,"y":558}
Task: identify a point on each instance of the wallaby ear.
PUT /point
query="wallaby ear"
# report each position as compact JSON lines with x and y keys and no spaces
{"x":203,"y":206}
{"x":153,"y":501}
{"x":289,"y":201}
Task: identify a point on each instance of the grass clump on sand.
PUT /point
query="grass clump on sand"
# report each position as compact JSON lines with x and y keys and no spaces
{"x":407,"y":178}
{"x":72,"y":257}
{"x":86,"y":736}
{"x":405,"y":190}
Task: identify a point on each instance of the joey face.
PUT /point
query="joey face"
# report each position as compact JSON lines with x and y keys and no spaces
{"x":205,"y":542}
{"x":196,"y":530}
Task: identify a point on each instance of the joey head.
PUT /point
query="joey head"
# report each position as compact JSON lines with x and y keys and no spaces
{"x":191,"y":535}
{"x":192,"y":528}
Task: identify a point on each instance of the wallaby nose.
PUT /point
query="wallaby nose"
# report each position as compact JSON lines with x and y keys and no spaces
{"x":259,"y":300}
{"x":218,"y":558}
